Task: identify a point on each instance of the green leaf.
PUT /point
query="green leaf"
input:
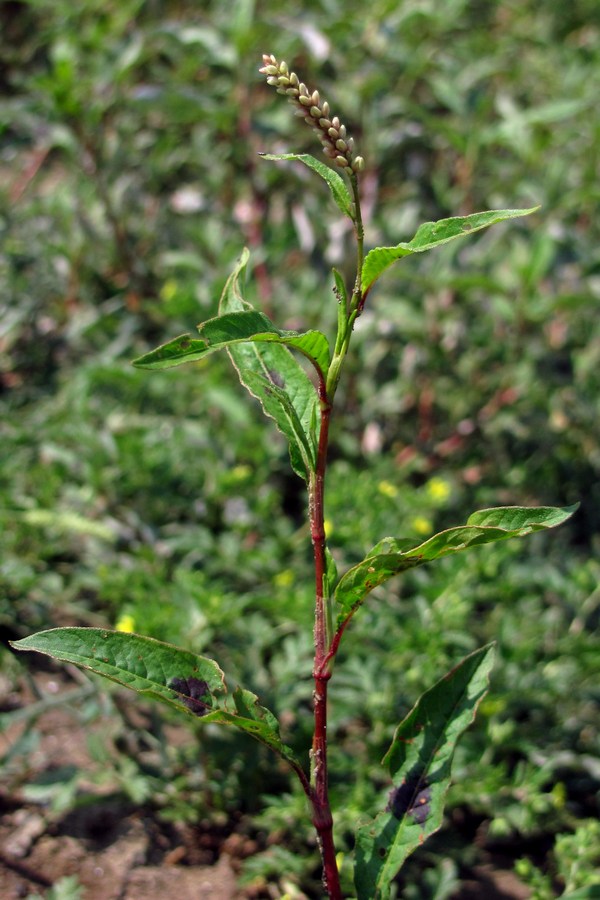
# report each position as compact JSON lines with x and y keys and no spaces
{"x":280,"y":406}
{"x":278,"y":381}
{"x":433,"y":234}
{"x":391,"y":556}
{"x":337,"y":185}
{"x":254,"y":720}
{"x":340,"y":289}
{"x":331,"y":573}
{"x":141,"y":663}
{"x":590,"y":892}
{"x":219,"y":333}
{"x":522,"y":518}
{"x":177,"y":677}
{"x":269,"y":372}
{"x":312,"y":344}
{"x":419,"y":762}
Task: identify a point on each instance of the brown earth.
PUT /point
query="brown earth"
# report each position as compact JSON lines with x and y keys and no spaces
{"x":117,"y":851}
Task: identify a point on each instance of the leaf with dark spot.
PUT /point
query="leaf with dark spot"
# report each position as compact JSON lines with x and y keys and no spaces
{"x":276,"y":378}
{"x":420,"y":808}
{"x":412,"y":797}
{"x":419,"y":762}
{"x":194,"y":693}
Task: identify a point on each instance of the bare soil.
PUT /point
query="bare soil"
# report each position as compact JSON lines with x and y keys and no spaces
{"x":117,"y":850}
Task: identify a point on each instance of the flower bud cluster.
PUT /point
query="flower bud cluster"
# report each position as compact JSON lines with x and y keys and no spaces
{"x":332,"y":134}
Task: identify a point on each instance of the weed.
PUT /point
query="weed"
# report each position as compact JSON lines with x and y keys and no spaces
{"x":419,"y":759}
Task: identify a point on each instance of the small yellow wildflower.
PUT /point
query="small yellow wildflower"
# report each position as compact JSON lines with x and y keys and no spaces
{"x":169,"y":290}
{"x":387,"y":489}
{"x":492,"y":706}
{"x":125,"y":623}
{"x":241,"y":472}
{"x":328,"y":526}
{"x":438,"y":490}
{"x":422,"y":525}
{"x":559,"y":795}
{"x":284,"y":579}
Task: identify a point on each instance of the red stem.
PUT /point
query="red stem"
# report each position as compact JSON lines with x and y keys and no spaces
{"x":319,"y":795}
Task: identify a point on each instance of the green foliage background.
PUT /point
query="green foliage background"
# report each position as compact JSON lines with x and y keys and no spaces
{"x":129,"y":182}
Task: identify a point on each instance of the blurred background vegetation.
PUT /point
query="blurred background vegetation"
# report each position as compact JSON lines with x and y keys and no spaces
{"x":129,"y":182}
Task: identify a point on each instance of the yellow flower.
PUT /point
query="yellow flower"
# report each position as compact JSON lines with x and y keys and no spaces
{"x":422,"y":525}
{"x":328,"y":527}
{"x":241,"y":472}
{"x":559,"y":794}
{"x":125,"y":623}
{"x":438,"y":490}
{"x":284,"y":579}
{"x":387,"y":489}
{"x":169,"y":290}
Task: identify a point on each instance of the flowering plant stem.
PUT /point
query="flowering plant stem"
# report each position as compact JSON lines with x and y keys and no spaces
{"x":323,"y":626}
{"x":418,"y":762}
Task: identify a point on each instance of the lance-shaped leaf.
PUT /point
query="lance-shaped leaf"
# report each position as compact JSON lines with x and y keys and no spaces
{"x":339,"y":189}
{"x":419,"y":762}
{"x":430,"y":235}
{"x":278,"y":381}
{"x":234,"y":328}
{"x":179,"y":678}
{"x":141,"y":663}
{"x":391,"y":556}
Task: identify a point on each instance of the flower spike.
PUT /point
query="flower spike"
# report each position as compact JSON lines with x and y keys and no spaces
{"x":337,"y":146}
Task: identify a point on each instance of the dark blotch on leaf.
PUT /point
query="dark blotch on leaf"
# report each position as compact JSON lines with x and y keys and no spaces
{"x":196,"y":695}
{"x":276,"y":379}
{"x":420,"y":808}
{"x":412,"y":797}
